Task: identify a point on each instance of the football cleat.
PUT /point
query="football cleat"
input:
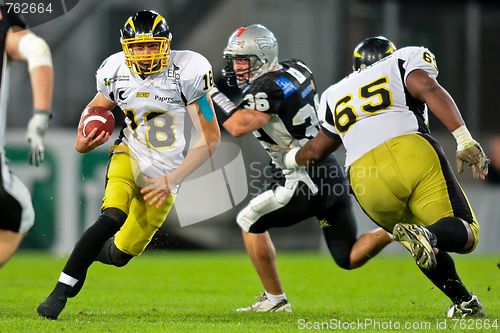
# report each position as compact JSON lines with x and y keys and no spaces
{"x":52,"y":306}
{"x":418,"y":241}
{"x":471,"y":308}
{"x":263,"y":304}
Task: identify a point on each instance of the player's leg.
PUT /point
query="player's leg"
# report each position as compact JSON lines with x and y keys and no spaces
{"x":9,"y":242}
{"x":120,"y":188}
{"x":340,"y":232}
{"x":275,"y":208}
{"x":261,"y":251}
{"x":135,"y":235}
{"x":17,"y":212}
{"x":448,"y":221}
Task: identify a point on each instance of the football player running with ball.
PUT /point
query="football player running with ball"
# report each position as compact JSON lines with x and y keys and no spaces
{"x":156,"y":88}
{"x":279,"y":107}
{"x":398,"y":172}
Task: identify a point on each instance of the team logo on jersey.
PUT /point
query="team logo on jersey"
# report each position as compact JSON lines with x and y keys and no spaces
{"x":286,"y":85}
{"x":120,"y":94}
{"x":142,"y":94}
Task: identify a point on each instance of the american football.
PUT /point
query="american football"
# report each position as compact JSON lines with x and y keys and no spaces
{"x":100,"y":118}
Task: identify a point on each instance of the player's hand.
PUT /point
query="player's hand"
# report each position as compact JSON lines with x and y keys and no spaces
{"x":35,"y":132}
{"x":85,"y":144}
{"x":474,"y":156}
{"x":156,"y":190}
{"x":284,"y":157}
{"x":277,"y":153}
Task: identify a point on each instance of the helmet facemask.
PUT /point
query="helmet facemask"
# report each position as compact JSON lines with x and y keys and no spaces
{"x":146,"y":64}
{"x":240,"y":77}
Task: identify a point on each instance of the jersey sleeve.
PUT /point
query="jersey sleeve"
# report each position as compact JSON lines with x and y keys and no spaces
{"x":197,"y":77}
{"x":263,"y":95}
{"x":420,"y":58}
{"x":325,"y":116}
{"x":102,"y":81}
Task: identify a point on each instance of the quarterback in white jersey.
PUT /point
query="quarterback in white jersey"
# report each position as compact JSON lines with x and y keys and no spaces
{"x":157,"y":89}
{"x":155,"y":106}
{"x":397,"y":171}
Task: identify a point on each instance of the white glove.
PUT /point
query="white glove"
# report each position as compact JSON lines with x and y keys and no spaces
{"x":35,"y":132}
{"x":300,"y":175}
{"x":284,"y":157}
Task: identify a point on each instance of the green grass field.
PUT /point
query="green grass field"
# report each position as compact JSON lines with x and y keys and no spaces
{"x":198,"y":292}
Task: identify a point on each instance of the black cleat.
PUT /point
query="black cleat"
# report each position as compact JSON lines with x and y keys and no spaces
{"x":52,"y":306}
{"x":78,"y":286}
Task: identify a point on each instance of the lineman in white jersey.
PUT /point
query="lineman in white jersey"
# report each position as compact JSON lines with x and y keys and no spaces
{"x":398,"y":173}
{"x":156,"y":88}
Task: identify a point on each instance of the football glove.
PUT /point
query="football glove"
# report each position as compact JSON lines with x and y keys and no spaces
{"x":35,"y":132}
{"x":470,"y":152}
{"x":474,"y":156}
{"x":284,"y":156}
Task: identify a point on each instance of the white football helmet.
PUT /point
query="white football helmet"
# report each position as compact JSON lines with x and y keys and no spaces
{"x":255,"y":43}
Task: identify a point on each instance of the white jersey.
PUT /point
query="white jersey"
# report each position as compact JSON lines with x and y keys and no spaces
{"x":155,"y":107}
{"x":371,"y":106}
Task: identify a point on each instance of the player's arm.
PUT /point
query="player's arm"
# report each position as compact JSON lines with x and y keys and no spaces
{"x":237,"y":121}
{"x":204,"y":120}
{"x":425,"y":88}
{"x":23,"y":45}
{"x":85,"y":144}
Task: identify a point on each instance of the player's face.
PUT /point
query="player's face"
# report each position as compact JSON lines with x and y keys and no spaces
{"x":242,"y":69}
{"x":139,"y":49}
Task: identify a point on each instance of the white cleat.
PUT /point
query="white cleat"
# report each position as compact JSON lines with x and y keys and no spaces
{"x":472,"y":308}
{"x":263,"y":304}
{"x":417,"y":240}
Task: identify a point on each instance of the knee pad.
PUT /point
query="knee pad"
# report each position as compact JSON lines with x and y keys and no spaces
{"x":263,"y":204}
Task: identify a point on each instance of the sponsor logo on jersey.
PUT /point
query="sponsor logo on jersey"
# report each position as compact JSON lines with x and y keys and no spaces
{"x":142,"y":94}
{"x":166,"y":99}
{"x":117,"y":78}
{"x":286,"y":86}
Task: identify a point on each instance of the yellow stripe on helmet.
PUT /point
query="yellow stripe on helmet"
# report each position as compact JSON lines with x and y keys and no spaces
{"x":390,"y":49}
{"x":357,"y":54}
{"x":158,"y":19}
{"x":131,"y":23}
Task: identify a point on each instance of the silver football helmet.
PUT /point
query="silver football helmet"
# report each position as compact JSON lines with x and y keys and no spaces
{"x":254,"y":43}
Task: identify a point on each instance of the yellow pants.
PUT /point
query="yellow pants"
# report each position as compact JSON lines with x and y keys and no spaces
{"x":123,"y":193}
{"x":408,"y":180}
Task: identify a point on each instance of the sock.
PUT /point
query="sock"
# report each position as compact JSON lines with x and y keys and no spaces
{"x":451,"y":234}
{"x":445,"y":277}
{"x":275,"y":299}
{"x":89,"y":245}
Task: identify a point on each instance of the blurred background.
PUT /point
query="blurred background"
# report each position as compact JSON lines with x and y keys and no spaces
{"x":68,"y":188}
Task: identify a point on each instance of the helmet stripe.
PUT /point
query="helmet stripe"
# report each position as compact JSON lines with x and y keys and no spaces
{"x":131,"y":23}
{"x":158,"y":19}
{"x":357,"y":54}
{"x":390,"y":49}
{"x":240,"y":31}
